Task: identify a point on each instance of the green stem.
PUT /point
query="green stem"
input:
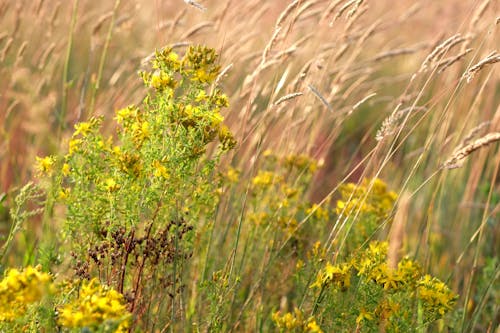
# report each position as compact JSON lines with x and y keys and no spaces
{"x":64,"y":96}
{"x":103,"y":59}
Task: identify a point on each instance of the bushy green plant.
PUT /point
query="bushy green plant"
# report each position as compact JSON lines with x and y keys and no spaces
{"x":132,"y":200}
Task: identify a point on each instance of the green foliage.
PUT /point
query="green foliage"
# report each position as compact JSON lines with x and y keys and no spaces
{"x":139,"y":210}
{"x":133,"y":199}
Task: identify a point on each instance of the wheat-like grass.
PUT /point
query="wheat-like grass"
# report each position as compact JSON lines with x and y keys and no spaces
{"x":445,"y":63}
{"x":458,"y":157}
{"x":196,"y":5}
{"x":391,"y":124}
{"x":440,"y":50}
{"x":474,"y":132}
{"x":490,"y":59}
{"x":288,"y":97}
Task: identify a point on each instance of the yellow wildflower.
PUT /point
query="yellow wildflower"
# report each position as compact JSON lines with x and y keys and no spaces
{"x":82,"y":128}
{"x":226,"y":138}
{"x":98,"y":308}
{"x":18,"y":289}
{"x":160,"y":170}
{"x":45,"y":165}
{"x":265,"y":178}
{"x":364,"y":315}
{"x":338,"y":275}
{"x":125,"y":114}
{"x":66,"y":169}
{"x":74,"y":146}
{"x":296,"y":322}
{"x":318,"y":212}
{"x":110,"y":185}
{"x":437,"y":298}
{"x":63,"y":193}
{"x":201,"y":96}
{"x":161,"y":80}
{"x":233,"y":175}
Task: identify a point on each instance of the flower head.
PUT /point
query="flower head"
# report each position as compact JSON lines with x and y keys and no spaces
{"x":98,"y":308}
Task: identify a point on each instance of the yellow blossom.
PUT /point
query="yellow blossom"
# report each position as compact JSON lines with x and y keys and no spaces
{"x":161,"y":80}
{"x":226,"y":138}
{"x":96,"y":308}
{"x":66,"y":169}
{"x":233,"y":175}
{"x":318,"y":212}
{"x":45,"y":165}
{"x":110,"y":185}
{"x":83,"y":128}
{"x":338,"y":275}
{"x":74,"y":146}
{"x":364,"y":315}
{"x":63,"y":193}
{"x":437,"y":298}
{"x":125,"y":114}
{"x":18,"y":289}
{"x":265,"y":178}
{"x":296,"y":322}
{"x":201,"y":96}
{"x":160,"y":170}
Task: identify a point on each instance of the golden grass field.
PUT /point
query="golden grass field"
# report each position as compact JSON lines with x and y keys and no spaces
{"x":405,"y":91}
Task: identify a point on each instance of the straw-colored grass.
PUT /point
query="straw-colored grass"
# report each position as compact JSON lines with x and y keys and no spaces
{"x":387,"y":89}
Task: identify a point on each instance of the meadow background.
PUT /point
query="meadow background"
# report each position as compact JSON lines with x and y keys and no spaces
{"x":366,"y":89}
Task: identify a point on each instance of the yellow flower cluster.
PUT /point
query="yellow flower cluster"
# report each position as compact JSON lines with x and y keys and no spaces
{"x":18,"y":289}
{"x":375,"y":199}
{"x":302,"y":162}
{"x":194,"y":109}
{"x":372,"y":264}
{"x":320,"y":213}
{"x":98,"y":308}
{"x":232,"y":175}
{"x":371,"y":272}
{"x":337,"y":275}
{"x":200,"y":63}
{"x":45,"y":165}
{"x":436,"y":297}
{"x":265,"y":179}
{"x":295,"y":322}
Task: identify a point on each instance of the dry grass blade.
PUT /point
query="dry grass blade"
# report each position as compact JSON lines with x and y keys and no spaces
{"x":353,"y":3}
{"x":479,"y":13}
{"x":196,"y":5}
{"x":197,"y":28}
{"x":397,"y":234}
{"x":284,"y":15}
{"x":100,"y":21}
{"x":450,"y":61}
{"x":270,"y":45}
{"x":473,"y":133}
{"x":457,"y":158}
{"x":177,"y":19}
{"x":391,"y":123}
{"x":440,"y":50}
{"x":46,"y":55}
{"x":394,"y":53}
{"x":355,"y":106}
{"x":329,"y":10}
{"x":320,"y":97}
{"x":492,"y":58}
{"x":222,"y":74}
{"x":288,"y":97}
{"x":6,"y":49}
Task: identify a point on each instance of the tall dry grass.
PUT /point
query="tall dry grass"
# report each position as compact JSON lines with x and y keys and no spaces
{"x":393,"y":89}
